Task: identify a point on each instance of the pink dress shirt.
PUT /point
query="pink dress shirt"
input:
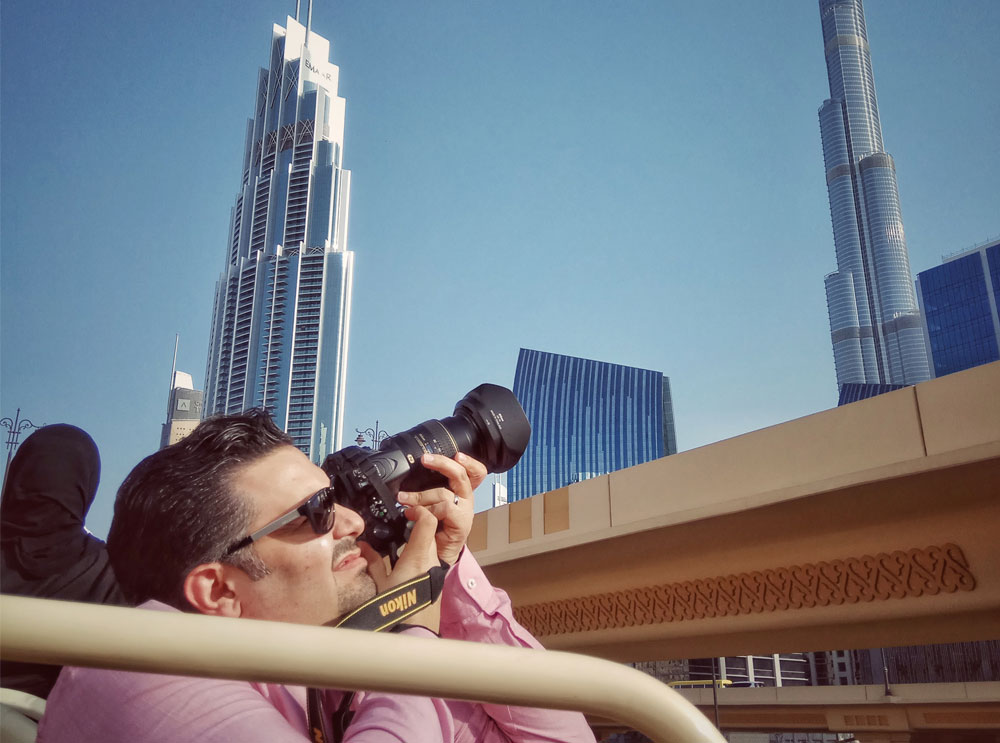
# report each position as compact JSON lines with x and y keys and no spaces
{"x":89,"y":704}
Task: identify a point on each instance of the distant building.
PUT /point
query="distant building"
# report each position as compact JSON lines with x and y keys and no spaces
{"x":499,"y":494}
{"x":784,"y":669}
{"x":930,"y":664}
{"x":669,"y":435}
{"x":912,"y":664}
{"x":282,"y":312}
{"x":958,"y":300}
{"x":183,"y":410}
{"x":874,"y":318}
{"x":854,"y":391}
{"x":588,"y":418}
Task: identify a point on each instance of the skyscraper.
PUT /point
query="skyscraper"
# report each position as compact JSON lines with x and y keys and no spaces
{"x":499,"y":493}
{"x":282,"y":305}
{"x":587,"y":418}
{"x":183,"y":409}
{"x":959,"y":301}
{"x":874,"y":319}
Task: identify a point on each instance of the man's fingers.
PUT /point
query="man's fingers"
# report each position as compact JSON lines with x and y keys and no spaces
{"x":475,"y":469}
{"x":457,"y":474}
{"x":416,"y":499}
{"x":464,"y":473}
{"x":420,"y":553}
{"x":426,"y":498}
{"x":424,"y":526}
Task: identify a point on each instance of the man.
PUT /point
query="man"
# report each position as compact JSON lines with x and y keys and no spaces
{"x":235,"y":521}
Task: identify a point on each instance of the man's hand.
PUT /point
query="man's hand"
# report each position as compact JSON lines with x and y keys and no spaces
{"x":418,"y":556}
{"x":453,"y":506}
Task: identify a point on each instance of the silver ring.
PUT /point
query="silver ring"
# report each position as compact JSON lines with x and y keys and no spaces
{"x":456,"y":500}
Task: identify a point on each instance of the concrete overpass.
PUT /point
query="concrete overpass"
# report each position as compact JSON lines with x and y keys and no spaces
{"x":874,"y":524}
{"x":914,"y":712}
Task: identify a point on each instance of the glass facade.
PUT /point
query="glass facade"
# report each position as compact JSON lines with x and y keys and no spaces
{"x":282,"y":309}
{"x":959,"y":304}
{"x":874,"y":317}
{"x":855,"y":391}
{"x":587,"y":418}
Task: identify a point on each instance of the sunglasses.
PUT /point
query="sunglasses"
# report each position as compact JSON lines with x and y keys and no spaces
{"x":318,"y":509}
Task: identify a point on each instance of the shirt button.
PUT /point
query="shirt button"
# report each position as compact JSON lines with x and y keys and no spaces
{"x":471,"y":583}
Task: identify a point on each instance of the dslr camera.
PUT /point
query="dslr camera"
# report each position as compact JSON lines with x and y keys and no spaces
{"x":488,"y":424}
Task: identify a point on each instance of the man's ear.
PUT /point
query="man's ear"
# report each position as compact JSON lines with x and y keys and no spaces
{"x":210,"y":589}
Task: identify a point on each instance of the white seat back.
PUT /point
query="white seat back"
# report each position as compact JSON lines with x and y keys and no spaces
{"x":19,"y":716}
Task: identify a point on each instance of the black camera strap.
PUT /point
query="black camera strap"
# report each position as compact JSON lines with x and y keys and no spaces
{"x":383,"y":613}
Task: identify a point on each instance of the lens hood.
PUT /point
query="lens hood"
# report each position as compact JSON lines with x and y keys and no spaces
{"x":501,"y":423}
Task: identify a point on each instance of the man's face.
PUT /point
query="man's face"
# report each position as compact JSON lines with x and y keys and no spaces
{"x":313,"y":578}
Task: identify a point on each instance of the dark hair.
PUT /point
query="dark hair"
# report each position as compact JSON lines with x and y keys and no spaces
{"x":177,"y":510}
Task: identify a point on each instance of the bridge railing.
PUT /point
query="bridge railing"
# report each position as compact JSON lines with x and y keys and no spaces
{"x":67,"y":633}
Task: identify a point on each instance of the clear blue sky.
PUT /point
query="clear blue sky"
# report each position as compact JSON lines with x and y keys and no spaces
{"x":638,"y":182}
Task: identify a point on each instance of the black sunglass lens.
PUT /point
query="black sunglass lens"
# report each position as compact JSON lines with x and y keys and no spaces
{"x":321,"y":513}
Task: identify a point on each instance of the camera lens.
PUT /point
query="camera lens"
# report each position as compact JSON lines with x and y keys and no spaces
{"x":488,"y":425}
{"x":502,"y":428}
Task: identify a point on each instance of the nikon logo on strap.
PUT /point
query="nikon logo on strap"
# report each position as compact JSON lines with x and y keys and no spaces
{"x":393,"y":606}
{"x":399,"y":603}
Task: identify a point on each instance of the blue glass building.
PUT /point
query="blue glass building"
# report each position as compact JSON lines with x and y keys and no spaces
{"x":587,"y":418}
{"x":958,"y":300}
{"x":282,"y":309}
{"x":856,"y":391}
{"x":874,"y":318}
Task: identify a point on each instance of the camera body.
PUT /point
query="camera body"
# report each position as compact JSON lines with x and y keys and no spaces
{"x":488,"y":424}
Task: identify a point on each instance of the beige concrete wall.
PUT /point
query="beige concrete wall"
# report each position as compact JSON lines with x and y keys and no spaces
{"x":916,"y":469}
{"x":955,"y":415}
{"x":856,"y":709}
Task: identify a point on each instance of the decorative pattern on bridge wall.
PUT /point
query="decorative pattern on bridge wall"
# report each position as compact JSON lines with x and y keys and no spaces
{"x":887,"y":575}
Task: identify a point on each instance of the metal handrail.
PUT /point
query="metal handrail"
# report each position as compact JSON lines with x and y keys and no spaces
{"x":68,"y":633}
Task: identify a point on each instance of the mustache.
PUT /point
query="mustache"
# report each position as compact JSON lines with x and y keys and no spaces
{"x":345,"y":545}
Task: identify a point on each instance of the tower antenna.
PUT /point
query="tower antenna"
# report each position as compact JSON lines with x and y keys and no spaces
{"x":298,"y":4}
{"x":173,"y":370}
{"x":309,"y":19}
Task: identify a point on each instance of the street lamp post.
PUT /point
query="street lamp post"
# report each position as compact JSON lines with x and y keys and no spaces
{"x":375,"y":435}
{"x":14,"y":429}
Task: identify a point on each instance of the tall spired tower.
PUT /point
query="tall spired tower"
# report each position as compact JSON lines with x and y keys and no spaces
{"x":282,"y":309}
{"x":874,"y":318}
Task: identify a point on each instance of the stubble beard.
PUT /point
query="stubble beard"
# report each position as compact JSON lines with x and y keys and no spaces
{"x":359,"y":589}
